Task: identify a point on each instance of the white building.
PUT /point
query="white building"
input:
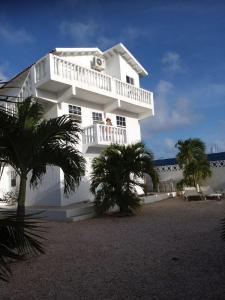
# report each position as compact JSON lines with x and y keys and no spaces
{"x":92,"y":86}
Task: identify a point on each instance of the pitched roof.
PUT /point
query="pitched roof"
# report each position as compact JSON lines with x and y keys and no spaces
{"x":117,"y":49}
{"x":125,"y":53}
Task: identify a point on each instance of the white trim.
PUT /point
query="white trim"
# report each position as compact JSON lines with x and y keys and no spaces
{"x":77,"y":51}
{"x":125,"y":53}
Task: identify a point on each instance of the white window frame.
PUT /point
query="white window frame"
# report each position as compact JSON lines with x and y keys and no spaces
{"x":95,"y":117}
{"x":76,"y":112}
{"x":129,"y":80}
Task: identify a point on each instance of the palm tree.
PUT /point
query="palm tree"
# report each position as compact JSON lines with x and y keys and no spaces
{"x":29,"y":144}
{"x":117,"y":172}
{"x":2,"y":165}
{"x":18,"y":238}
{"x":193,"y":161}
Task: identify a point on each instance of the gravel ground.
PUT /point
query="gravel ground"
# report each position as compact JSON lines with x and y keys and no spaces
{"x":169,"y":250}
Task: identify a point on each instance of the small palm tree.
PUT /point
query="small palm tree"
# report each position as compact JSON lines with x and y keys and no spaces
{"x":18,"y":238}
{"x":29,"y":144}
{"x":117,"y":172}
{"x":193,"y":161}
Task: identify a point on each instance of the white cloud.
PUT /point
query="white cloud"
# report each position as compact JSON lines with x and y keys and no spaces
{"x":169,"y":143}
{"x":171,"y":111}
{"x":13,"y":35}
{"x":92,"y":33}
{"x":3,"y":71}
{"x":79,"y":31}
{"x":171,"y":62}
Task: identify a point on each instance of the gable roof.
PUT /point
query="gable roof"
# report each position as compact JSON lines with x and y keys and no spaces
{"x":117,"y":49}
{"x":130,"y":59}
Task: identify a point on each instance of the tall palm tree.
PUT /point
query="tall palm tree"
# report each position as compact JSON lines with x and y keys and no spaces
{"x":117,"y":172}
{"x":193,"y":161}
{"x":29,"y":144}
{"x":18,"y":238}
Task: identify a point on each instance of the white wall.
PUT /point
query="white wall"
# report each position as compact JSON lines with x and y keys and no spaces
{"x":113,"y":67}
{"x":217,"y":181}
{"x":126,"y":69}
{"x":81,"y":60}
{"x":48,"y":192}
{"x":82,"y":193}
{"x":5,"y":182}
{"x":116,"y":66}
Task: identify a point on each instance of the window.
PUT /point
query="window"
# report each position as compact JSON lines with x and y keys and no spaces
{"x":13,"y":178}
{"x":130,"y":80}
{"x":120,"y":121}
{"x":97,"y":117}
{"x":75,"y":112}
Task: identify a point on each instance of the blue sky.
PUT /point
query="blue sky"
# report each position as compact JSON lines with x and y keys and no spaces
{"x":180,"y":43}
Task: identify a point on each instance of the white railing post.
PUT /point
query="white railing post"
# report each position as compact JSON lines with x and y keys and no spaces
{"x":96,"y":133}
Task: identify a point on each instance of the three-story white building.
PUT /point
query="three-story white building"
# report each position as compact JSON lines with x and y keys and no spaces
{"x":92,"y":86}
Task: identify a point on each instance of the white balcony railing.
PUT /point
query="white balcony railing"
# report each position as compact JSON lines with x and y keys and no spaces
{"x":132,"y":92}
{"x":65,"y":70}
{"x":99,"y":134}
{"x":71,"y":71}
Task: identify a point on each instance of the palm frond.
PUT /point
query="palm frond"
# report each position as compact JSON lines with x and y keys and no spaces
{"x":18,"y":238}
{"x":68,"y":158}
{"x":116,"y":174}
{"x":223,"y":229}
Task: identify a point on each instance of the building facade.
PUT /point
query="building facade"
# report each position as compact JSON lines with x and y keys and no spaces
{"x":95,"y":88}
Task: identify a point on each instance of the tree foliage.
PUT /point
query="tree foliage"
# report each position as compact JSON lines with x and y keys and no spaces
{"x":192,"y":159}
{"x":117,"y":172}
{"x":29,"y":144}
{"x":17,"y":239}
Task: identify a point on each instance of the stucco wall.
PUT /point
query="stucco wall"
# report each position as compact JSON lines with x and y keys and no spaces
{"x":126,"y":69}
{"x":217,"y":181}
{"x":5,"y":182}
{"x":81,"y":60}
{"x":48,"y":192}
{"x":113,"y":67}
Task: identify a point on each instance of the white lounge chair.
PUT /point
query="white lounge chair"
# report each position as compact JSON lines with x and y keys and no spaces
{"x":191,"y":194}
{"x":209,"y":193}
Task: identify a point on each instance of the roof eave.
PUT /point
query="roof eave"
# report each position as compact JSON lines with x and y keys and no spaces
{"x":77,"y":50}
{"x":136,"y":65}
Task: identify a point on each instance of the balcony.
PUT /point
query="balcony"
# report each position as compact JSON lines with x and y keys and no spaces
{"x":99,"y":135}
{"x":56,"y":76}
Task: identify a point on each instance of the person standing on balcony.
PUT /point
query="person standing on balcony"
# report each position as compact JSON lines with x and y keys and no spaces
{"x":108,"y":129}
{"x":108,"y":122}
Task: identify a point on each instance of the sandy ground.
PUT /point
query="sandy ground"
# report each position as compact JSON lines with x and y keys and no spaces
{"x":170,"y":250}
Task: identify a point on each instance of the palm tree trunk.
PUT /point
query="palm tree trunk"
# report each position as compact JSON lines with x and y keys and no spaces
{"x":22,"y":196}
